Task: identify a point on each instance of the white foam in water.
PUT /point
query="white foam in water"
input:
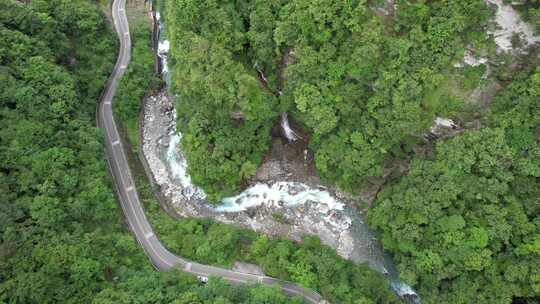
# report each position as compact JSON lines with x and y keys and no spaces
{"x":285,"y":194}
{"x":444,"y":122}
{"x":470,"y":60}
{"x":164,"y":46}
{"x":280,"y":194}
{"x":510,"y":23}
{"x":178,"y":166}
{"x":289,"y":133}
{"x":402,"y":289}
{"x":277,"y":195}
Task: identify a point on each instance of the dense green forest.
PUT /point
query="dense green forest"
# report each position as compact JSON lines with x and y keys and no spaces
{"x":361,"y":85}
{"x":138,"y":81}
{"x":530,"y":9}
{"x":464,"y":223}
{"x":61,"y":237}
{"x":308,"y":263}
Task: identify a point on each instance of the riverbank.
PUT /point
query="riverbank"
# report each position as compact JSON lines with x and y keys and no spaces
{"x":260,"y":208}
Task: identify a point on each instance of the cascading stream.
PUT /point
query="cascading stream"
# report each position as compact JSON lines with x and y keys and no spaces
{"x":289,"y":133}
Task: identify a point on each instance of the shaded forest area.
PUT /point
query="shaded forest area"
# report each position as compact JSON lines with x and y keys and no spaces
{"x":464,"y":225}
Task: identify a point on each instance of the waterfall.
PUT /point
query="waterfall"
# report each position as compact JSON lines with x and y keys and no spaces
{"x":163,"y":47}
{"x":262,"y":76}
{"x":163,"y":50}
{"x":287,"y":131}
{"x":405,"y":291}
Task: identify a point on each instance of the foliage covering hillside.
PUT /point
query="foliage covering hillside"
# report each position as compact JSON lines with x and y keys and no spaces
{"x":308,"y":263}
{"x":360,"y":84}
{"x":139,"y":80}
{"x":531,"y":10}
{"x":465,"y":225}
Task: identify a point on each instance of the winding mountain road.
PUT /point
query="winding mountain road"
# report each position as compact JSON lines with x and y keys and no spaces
{"x":160,"y":257}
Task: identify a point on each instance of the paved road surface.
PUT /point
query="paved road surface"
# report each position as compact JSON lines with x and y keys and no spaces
{"x":160,"y":257}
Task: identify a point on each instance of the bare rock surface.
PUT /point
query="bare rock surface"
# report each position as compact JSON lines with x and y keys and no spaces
{"x":284,"y":197}
{"x":509,"y":24}
{"x":248,"y":268}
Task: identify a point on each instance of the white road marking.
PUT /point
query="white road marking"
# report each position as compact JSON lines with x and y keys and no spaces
{"x":164,"y":260}
{"x":122,"y":160}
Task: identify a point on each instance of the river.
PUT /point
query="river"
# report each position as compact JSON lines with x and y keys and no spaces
{"x":304,"y":207}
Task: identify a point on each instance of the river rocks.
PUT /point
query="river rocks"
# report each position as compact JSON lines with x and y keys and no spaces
{"x":387,"y":8}
{"x":470,"y":59}
{"x":508,"y":24}
{"x":270,"y":171}
{"x":276,"y":203}
{"x":247,"y":268}
{"x":442,"y":127}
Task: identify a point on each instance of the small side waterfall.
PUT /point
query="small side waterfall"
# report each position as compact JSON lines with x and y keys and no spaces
{"x":405,"y":291}
{"x":163,"y":49}
{"x":287,"y":131}
{"x":263,"y":77}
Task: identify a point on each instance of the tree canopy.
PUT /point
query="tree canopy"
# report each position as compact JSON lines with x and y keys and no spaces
{"x":309,"y":263}
{"x":359,"y":83}
{"x":464,"y":225}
